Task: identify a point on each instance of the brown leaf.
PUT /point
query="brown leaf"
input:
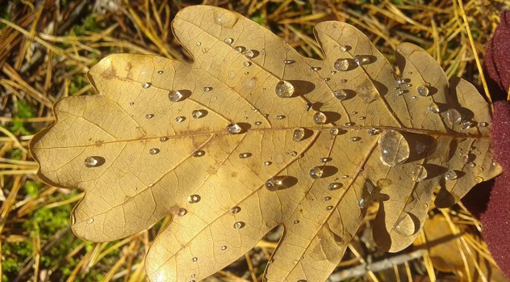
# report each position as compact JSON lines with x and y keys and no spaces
{"x":217,"y":144}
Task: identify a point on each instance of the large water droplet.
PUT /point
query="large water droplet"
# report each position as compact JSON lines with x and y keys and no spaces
{"x":423,"y":90}
{"x":394,"y":148}
{"x":234,"y":128}
{"x":319,"y":118}
{"x":284,"y":89}
{"x":316,"y":172}
{"x":194,"y":199}
{"x":418,"y":173}
{"x":451,"y":175}
{"x":362,"y":60}
{"x":153,"y":151}
{"x":298,"y":134}
{"x":340,"y":94}
{"x":239,"y":225}
{"x":405,"y":225}
{"x":249,"y":54}
{"x":454,"y":117}
{"x":342,"y":65}
{"x":91,"y":161}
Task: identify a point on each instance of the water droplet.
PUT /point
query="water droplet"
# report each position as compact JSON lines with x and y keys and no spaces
{"x":434,"y":108}
{"x":247,"y":64}
{"x":334,"y":131}
{"x":345,"y":176}
{"x":90,"y":220}
{"x":258,"y":123}
{"x":319,"y":118}
{"x":343,"y":48}
{"x":349,"y":124}
{"x":362,"y":60}
{"x":146,"y":85}
{"x":131,"y":103}
{"x":418,"y":173}
{"x":453,"y":116}
{"x":160,"y":72}
{"x":239,"y":225}
{"x":334,"y":186}
{"x":208,"y":89}
{"x":229,"y":40}
{"x":238,"y":49}
{"x":298,"y":134}
{"x":198,"y":43}
{"x":296,"y":221}
{"x":373,"y":131}
{"x":199,"y":153}
{"x":180,"y":119}
{"x":362,"y":203}
{"x":342,"y":65}
{"x":91,"y":162}
{"x":343,"y":80}
{"x":316,"y":172}
{"x":234,"y":128}
{"x":288,"y":62}
{"x":327,"y":198}
{"x":423,"y":90}
{"x":341,"y":95}
{"x":153,"y":151}
{"x":194,"y":259}
{"x":280,"y":117}
{"x":479,"y":179}
{"x":235,"y":210}
{"x":355,"y":139}
{"x":467,"y":124}
{"x":193,"y":199}
{"x":483,"y":124}
{"x":315,"y":68}
{"x":182,"y":212}
{"x":249,"y":54}
{"x":198,"y":114}
{"x":329,"y":208}
{"x":450,"y":175}
{"x":223,"y":247}
{"x":149,"y":116}
{"x":275,"y":183}
{"x":405,"y":225}
{"x":394,"y":148}
{"x":244,"y":155}
{"x":267,"y":163}
{"x":284,"y":89}
{"x":163,"y":139}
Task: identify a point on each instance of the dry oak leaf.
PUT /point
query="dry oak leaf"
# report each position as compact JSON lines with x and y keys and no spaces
{"x":252,"y":135}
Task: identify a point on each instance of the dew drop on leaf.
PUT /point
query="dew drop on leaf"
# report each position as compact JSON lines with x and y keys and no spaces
{"x":223,"y":247}
{"x":483,"y":124}
{"x":249,"y":54}
{"x":234,"y":128}
{"x":275,"y":183}
{"x":355,"y":139}
{"x":373,"y":131}
{"x":334,"y":131}
{"x":479,"y":179}
{"x":316,"y":172}
{"x":319,"y":118}
{"x":289,"y":62}
{"x":235,"y":210}
{"x":296,"y":221}
{"x":453,"y":116}
{"x":207,"y":89}
{"x":180,"y":119}
{"x":244,"y":155}
{"x":199,"y":153}
{"x":196,"y":114}
{"x":434,"y":108}
{"x":280,"y":117}
{"x":423,"y":90}
{"x":284,"y":89}
{"x":160,"y":72}
{"x":334,"y":186}
{"x":149,"y":116}
{"x":418,"y":173}
{"x":315,"y":68}
{"x":239,"y":225}
{"x":91,"y":162}
{"x":194,"y":259}
{"x":267,"y":163}
{"x":342,"y":65}
{"x":153,"y":151}
{"x":451,"y":175}
{"x":362,"y":60}
{"x":467,"y":124}
{"x":90,"y":220}
{"x":327,"y":198}
{"x":146,"y":85}
{"x":343,"y":48}
{"x":163,"y":139}
{"x":194,"y":199}
{"x":329,"y":208}
{"x":182,"y":212}
{"x":247,"y":64}
{"x":405,"y":225}
{"x":229,"y":40}
{"x":362,"y":203}
{"x":298,"y":134}
{"x":394,"y":148}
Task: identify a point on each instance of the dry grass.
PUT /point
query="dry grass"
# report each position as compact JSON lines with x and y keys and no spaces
{"x":46,"y":48}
